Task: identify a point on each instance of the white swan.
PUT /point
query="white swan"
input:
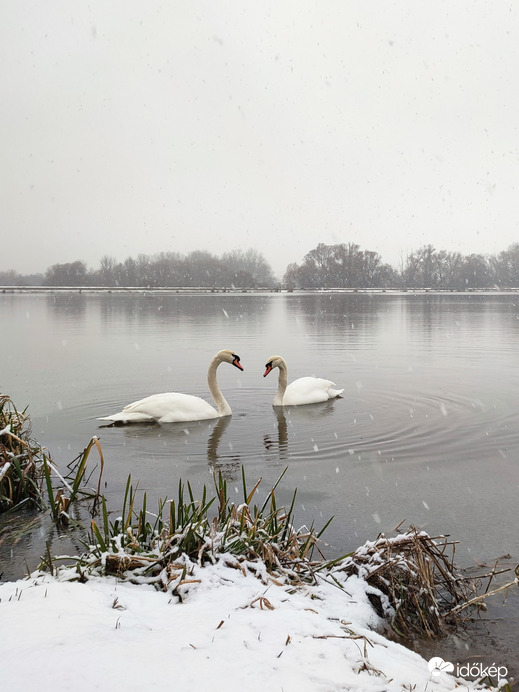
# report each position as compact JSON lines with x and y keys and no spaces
{"x":172,"y":407}
{"x":305,"y":390}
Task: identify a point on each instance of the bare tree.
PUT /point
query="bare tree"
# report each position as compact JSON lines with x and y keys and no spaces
{"x":507,"y":267}
{"x":69,"y":274}
{"x":248,"y":268}
{"x":340,"y":266}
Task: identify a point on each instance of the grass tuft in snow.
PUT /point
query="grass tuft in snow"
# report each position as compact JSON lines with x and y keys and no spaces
{"x":29,"y":476}
{"x":164,"y":547}
{"x":21,"y":459}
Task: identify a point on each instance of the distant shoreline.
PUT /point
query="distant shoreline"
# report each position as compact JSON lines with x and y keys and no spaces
{"x":196,"y":290}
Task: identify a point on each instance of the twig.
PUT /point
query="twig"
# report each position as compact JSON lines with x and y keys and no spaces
{"x":476,"y":599}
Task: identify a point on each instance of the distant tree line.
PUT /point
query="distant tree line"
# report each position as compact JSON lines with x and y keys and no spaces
{"x":199,"y":268}
{"x":343,"y":265}
{"x":347,"y":266}
{"x":12,"y":278}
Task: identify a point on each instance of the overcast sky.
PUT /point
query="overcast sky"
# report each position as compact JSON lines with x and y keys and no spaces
{"x":131,"y":127}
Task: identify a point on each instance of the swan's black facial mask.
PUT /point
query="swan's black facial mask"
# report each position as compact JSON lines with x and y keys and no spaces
{"x":236,"y":361}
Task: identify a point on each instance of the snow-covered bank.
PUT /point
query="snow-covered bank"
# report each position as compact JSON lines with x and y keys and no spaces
{"x":230,"y":633}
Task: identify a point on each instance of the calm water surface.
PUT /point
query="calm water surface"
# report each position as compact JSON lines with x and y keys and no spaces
{"x":427,"y":431}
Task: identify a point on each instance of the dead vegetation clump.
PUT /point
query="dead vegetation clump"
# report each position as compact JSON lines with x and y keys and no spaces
{"x":422,"y":592}
{"x":20,"y":459}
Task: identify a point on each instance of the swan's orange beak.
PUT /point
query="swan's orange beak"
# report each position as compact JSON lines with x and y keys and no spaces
{"x":269,"y":368}
{"x":236,"y":362}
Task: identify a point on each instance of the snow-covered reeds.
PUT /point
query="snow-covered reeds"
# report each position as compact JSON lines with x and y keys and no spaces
{"x":21,"y":459}
{"x":71,"y":486}
{"x":412,"y":581}
{"x":164,"y":547}
{"x":419,"y":581}
{"x":28,"y":475}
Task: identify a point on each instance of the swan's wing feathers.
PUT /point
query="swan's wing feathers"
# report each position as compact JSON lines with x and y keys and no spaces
{"x":310,"y":390}
{"x":152,"y":405}
{"x":173,"y":406}
{"x":168,"y":407}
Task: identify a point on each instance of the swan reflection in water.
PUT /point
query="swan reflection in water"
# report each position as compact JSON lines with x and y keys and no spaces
{"x":285,"y":417}
{"x":159,"y":438}
{"x":228,"y":465}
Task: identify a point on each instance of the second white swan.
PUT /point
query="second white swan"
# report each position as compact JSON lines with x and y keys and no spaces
{"x":172,"y":407}
{"x":305,"y":390}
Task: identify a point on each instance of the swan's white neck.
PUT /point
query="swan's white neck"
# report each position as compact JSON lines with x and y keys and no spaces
{"x":221,"y":403}
{"x":282,"y":383}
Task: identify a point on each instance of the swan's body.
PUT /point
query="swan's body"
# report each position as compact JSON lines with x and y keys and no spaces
{"x":172,"y":407}
{"x":305,"y":390}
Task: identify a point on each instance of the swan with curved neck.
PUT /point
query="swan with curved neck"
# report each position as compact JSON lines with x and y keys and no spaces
{"x":172,"y":407}
{"x":305,"y":390}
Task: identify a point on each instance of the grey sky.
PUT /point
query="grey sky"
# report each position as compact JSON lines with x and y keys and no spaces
{"x":132,"y":127}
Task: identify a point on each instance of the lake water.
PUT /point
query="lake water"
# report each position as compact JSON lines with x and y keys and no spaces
{"x":427,"y":431}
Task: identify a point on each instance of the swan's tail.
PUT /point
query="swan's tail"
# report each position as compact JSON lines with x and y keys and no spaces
{"x":128,"y":417}
{"x":335,"y":393}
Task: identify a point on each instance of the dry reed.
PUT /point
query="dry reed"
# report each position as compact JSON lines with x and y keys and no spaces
{"x":416,"y":584}
{"x":21,"y":459}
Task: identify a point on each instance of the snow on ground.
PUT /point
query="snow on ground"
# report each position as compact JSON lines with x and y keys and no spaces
{"x":231,"y":633}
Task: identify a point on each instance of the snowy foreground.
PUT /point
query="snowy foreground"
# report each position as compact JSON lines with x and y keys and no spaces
{"x":231,"y":633}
